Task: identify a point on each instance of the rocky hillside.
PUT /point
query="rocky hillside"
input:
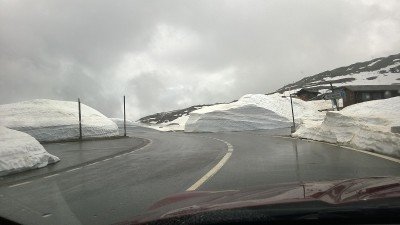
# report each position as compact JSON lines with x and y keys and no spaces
{"x":384,"y":70}
{"x":165,"y":117}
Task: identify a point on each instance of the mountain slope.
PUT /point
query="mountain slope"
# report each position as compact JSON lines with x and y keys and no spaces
{"x":384,"y":70}
{"x":165,"y":117}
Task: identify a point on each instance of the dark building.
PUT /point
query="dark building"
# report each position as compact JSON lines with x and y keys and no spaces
{"x":362,"y":93}
{"x":307,"y":94}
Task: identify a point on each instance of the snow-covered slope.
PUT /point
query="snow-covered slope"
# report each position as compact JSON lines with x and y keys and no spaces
{"x":166,"y":117}
{"x":251,"y":112}
{"x":379,"y":71}
{"x":20,"y":151}
{"x":365,"y":126}
{"x":50,"y":120}
{"x":177,"y":124}
{"x":120,"y":122}
{"x":174,"y":120}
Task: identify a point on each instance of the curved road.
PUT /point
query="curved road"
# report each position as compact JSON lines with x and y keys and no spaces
{"x":121,"y":186}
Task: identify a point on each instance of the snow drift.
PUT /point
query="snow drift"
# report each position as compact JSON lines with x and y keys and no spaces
{"x":50,"y":120}
{"x":20,"y":151}
{"x":251,"y":112}
{"x":365,"y":126}
{"x":120,"y":122}
{"x":177,"y":124}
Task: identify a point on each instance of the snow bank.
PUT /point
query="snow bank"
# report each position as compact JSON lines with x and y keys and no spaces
{"x":365,"y":126}
{"x":50,"y":120}
{"x":20,"y":151}
{"x":325,"y":104}
{"x":251,"y":112}
{"x":120,"y":122}
{"x":175,"y":125}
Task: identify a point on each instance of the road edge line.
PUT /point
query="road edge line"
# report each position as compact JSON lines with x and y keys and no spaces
{"x":215,"y":169}
{"x":347,"y":147}
{"x":76,"y":167}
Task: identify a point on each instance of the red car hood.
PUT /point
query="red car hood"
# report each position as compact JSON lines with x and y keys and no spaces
{"x":333,"y":192}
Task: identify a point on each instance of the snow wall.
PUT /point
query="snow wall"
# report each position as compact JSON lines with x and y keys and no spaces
{"x":251,"y":112}
{"x":20,"y":151}
{"x":364,"y":126}
{"x":120,"y":122}
{"x":51,"y":120}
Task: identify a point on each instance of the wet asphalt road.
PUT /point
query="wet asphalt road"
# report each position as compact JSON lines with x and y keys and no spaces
{"x":116,"y":188}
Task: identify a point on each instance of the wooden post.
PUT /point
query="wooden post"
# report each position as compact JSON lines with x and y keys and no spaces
{"x":124,"y":119}
{"x":80,"y":119}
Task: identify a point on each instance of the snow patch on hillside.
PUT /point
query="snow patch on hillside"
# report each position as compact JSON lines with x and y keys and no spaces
{"x":252,"y":112}
{"x":175,"y":125}
{"x":374,"y":62}
{"x":365,"y":126}
{"x":362,"y":79}
{"x":20,"y":151}
{"x":51,"y":120}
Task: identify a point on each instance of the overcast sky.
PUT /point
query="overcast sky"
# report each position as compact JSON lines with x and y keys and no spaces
{"x":166,"y":55}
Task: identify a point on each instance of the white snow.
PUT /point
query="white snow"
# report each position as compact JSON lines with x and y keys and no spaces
{"x":361,"y":78}
{"x":365,"y":126}
{"x":323,"y":104}
{"x":288,"y":92}
{"x":51,"y":120}
{"x":373,"y":63}
{"x":175,"y":125}
{"x":120,"y":122}
{"x":20,"y":151}
{"x":251,"y":112}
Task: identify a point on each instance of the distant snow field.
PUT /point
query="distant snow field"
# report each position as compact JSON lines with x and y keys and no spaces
{"x":51,"y":120}
{"x":120,"y":122}
{"x":175,"y":125}
{"x":20,"y":151}
{"x":252,"y":112}
{"x":365,"y":126}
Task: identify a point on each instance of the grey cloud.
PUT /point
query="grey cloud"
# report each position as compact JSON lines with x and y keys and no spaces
{"x":69,"y":49}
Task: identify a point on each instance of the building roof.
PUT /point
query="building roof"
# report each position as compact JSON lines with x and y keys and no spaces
{"x":393,"y":87}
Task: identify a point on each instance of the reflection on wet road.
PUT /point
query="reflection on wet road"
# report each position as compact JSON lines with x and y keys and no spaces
{"x":117,"y":188}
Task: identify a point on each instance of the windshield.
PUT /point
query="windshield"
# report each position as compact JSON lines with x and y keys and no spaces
{"x":111,"y":110}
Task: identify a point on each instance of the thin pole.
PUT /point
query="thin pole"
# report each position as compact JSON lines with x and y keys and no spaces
{"x":80,"y":119}
{"x":291,"y":104}
{"x":334,"y":99}
{"x":124,"y":119}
